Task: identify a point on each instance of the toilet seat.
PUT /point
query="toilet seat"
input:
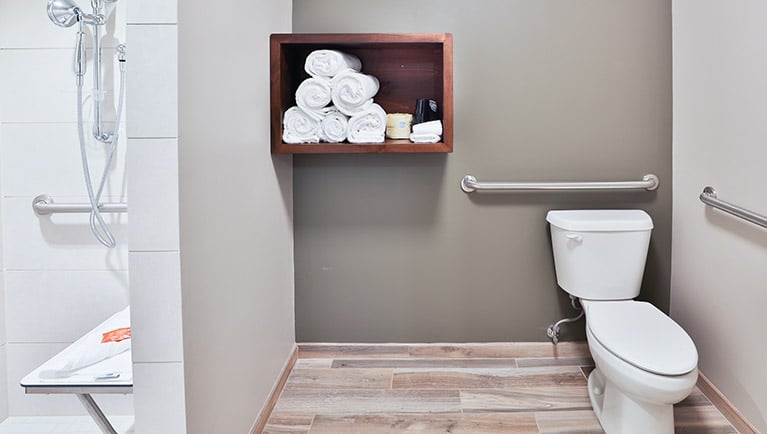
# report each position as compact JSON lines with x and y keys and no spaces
{"x":643,"y":336}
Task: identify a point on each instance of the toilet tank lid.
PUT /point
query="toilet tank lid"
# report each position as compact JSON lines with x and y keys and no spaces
{"x":642,"y":335}
{"x":600,"y":220}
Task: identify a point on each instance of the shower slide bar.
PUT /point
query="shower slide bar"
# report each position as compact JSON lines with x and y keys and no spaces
{"x":44,"y":205}
{"x":709,"y":198}
{"x":470,"y":184}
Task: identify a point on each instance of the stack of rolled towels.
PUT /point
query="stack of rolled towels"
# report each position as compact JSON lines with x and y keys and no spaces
{"x":335,"y":103}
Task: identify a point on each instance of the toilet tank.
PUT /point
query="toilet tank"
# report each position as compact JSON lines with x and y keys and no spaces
{"x":600,"y":254}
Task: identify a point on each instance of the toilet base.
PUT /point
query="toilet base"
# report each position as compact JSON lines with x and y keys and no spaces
{"x":618,"y":413}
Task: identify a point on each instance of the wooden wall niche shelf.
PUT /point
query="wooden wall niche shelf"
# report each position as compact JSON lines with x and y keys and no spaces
{"x":408,"y":66}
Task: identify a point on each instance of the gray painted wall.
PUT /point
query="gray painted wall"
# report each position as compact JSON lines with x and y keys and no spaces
{"x":388,"y":248}
{"x":236,"y":215}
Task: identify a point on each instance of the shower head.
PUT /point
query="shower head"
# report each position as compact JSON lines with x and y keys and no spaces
{"x":63,"y":13}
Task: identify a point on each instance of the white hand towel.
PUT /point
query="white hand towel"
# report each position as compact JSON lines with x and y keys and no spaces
{"x":313,"y":95}
{"x":328,"y":63}
{"x":299,"y":127}
{"x":424,"y":138}
{"x":92,"y":348}
{"x":353,"y":92}
{"x":368,"y":126}
{"x":431,"y":127}
{"x":334,"y":128}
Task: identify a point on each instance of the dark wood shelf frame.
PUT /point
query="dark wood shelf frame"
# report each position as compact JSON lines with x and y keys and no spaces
{"x":408,"y":66}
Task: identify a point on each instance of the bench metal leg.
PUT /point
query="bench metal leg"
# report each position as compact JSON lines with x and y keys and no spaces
{"x":98,"y":416}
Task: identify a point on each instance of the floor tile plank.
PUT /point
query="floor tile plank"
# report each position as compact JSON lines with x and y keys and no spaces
{"x":334,"y":402}
{"x":425,"y":363}
{"x":491,"y":378}
{"x":489,"y":423}
{"x":328,"y":378}
{"x":530,"y":362}
{"x":288,"y":423}
{"x":700,"y":419}
{"x":528,"y":399}
{"x":568,"y":422}
{"x":504,"y":350}
{"x":345,"y":351}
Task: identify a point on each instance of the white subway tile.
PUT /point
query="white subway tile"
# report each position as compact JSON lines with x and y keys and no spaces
{"x":155,"y":298}
{"x":152,"y":11}
{"x":3,"y":315}
{"x":159,"y":394}
{"x":39,"y":86}
{"x":153,"y":188}
{"x":3,"y":382}
{"x":25,"y":24}
{"x":59,"y":241}
{"x":52,"y":153}
{"x":61,"y":306}
{"x":153,"y":84}
{"x":23,"y":359}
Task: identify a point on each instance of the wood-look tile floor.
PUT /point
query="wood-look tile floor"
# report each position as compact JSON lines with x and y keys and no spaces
{"x":433,"y":388}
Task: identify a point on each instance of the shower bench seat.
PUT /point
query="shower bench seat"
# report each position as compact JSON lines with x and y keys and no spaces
{"x":87,"y":381}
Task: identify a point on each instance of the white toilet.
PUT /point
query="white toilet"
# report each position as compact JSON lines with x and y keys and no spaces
{"x":645,"y":362}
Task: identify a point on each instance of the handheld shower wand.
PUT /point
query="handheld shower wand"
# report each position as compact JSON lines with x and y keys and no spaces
{"x":65,"y":13}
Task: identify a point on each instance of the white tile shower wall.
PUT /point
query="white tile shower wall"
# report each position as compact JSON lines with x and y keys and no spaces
{"x":154,"y":193}
{"x":43,"y":302}
{"x":159,"y":391}
{"x":24,"y":24}
{"x":59,"y":282}
{"x":156,"y":307}
{"x":152,"y":12}
{"x":155,"y":290}
{"x":153,"y":87}
{"x":53,"y":151}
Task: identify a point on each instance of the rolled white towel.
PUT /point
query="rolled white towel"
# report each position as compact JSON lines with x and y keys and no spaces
{"x":328,"y":63}
{"x":313,"y":96}
{"x":432,"y":127}
{"x":353,"y":92}
{"x":424,"y":138}
{"x":334,"y":128}
{"x":300,"y":127}
{"x":369,"y":126}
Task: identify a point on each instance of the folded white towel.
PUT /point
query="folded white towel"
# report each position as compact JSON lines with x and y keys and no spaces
{"x":313,"y":95}
{"x":328,"y":63}
{"x":353,"y":92}
{"x":334,"y":128}
{"x":96,"y":346}
{"x":424,"y":138}
{"x":432,"y":127}
{"x":300,"y":127}
{"x":368,"y":126}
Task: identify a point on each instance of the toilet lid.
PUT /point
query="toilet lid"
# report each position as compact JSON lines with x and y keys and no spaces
{"x":643,"y":336}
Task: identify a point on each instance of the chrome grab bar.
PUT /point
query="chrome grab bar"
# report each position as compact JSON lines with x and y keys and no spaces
{"x":709,"y":198}
{"x":44,"y":205}
{"x":470,"y":184}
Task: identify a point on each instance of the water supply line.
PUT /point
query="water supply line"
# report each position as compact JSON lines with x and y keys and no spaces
{"x":553,"y":330}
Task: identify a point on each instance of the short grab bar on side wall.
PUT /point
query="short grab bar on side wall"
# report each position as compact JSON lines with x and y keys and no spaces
{"x":470,"y":184}
{"x":709,"y":198}
{"x":44,"y":205}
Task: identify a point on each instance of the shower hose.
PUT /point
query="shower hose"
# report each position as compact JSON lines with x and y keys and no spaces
{"x":98,"y":226}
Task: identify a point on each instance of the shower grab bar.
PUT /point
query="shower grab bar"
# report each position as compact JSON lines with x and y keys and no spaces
{"x":44,"y":205}
{"x":709,"y":198}
{"x":470,"y":184}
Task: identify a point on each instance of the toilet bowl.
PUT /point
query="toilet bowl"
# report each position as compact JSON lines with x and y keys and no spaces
{"x":642,"y":370}
{"x":645,"y":362}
